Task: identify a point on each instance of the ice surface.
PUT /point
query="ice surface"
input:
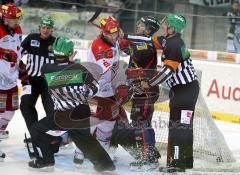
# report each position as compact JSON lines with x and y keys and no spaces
{"x":17,"y":158}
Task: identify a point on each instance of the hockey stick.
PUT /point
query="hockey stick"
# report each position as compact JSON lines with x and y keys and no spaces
{"x":132,"y":89}
{"x":95,"y":16}
{"x":31,"y":154}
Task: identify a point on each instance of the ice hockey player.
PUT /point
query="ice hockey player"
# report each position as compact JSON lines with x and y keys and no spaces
{"x":142,"y":64}
{"x":105,"y":53}
{"x":10,"y":40}
{"x":70,"y":85}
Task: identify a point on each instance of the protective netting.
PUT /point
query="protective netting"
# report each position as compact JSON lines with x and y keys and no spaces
{"x":209,"y":143}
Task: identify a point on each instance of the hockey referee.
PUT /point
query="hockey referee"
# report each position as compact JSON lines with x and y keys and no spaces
{"x":37,"y":46}
{"x":70,"y":85}
{"x":178,"y":72}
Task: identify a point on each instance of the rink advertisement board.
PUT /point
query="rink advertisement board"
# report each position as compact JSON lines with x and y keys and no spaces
{"x":220,"y":87}
{"x":212,"y":3}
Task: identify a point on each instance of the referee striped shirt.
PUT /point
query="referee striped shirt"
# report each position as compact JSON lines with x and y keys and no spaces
{"x":177,"y":66}
{"x":38,"y":53}
{"x":69,"y":84}
{"x":68,"y":97}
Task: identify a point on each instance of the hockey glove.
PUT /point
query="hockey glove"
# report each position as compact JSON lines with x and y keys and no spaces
{"x":8,"y":55}
{"x":23,"y":75}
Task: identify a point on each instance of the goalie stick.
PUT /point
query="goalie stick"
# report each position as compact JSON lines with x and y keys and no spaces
{"x":133,"y":89}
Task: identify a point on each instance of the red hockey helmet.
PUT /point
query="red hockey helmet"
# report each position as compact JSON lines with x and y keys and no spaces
{"x":109,"y":25}
{"x":11,"y":11}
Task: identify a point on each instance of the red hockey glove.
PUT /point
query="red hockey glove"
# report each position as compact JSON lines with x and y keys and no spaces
{"x":23,"y":75}
{"x":135,"y":73}
{"x":8,"y":55}
{"x":122,"y":91}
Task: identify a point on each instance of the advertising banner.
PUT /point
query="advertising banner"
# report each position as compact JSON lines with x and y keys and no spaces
{"x":212,"y":3}
{"x":220,"y":87}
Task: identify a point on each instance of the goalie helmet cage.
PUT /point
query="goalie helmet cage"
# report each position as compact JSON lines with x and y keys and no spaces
{"x":209,"y":144}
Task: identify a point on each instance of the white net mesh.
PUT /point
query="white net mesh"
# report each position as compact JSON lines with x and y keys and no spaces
{"x":209,"y":143}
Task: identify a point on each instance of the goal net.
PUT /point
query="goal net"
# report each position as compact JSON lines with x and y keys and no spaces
{"x":209,"y":143}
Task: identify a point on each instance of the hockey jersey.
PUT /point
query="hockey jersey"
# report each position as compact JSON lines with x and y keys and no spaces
{"x":10,"y":40}
{"x":106,"y":57}
{"x":69,"y":84}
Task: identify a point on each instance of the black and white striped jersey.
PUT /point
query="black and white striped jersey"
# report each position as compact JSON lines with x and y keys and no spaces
{"x":184,"y":74}
{"x":177,"y":66}
{"x":69,"y":84}
{"x":38,"y":53}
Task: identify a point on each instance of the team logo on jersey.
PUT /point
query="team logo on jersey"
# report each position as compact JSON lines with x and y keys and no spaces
{"x":35,"y":43}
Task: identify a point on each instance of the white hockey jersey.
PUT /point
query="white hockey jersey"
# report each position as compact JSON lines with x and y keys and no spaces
{"x":107,"y":58}
{"x":9,"y":70}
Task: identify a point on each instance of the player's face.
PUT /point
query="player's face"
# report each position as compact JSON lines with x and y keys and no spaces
{"x":113,"y":37}
{"x":12,"y":23}
{"x":140,"y":28}
{"x":45,"y":31}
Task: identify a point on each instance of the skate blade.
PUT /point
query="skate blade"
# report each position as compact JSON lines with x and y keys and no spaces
{"x":66,"y":147}
{"x":45,"y":169}
{"x":78,"y":165}
{"x":108,"y":173}
{"x":144,"y":168}
{"x":4,"y":136}
{"x":171,"y":170}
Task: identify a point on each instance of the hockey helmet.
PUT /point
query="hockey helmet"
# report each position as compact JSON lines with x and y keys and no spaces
{"x":176,"y":21}
{"x":151,"y":23}
{"x":47,"y":20}
{"x":63,"y":47}
{"x":109,"y":25}
{"x":11,"y":11}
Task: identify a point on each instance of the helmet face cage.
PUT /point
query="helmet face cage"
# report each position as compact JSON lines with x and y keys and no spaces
{"x":151,"y":23}
{"x":11,"y":11}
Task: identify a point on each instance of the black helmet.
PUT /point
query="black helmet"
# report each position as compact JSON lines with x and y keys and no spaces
{"x":151,"y":23}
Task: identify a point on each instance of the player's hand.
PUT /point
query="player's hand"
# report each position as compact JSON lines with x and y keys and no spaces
{"x":145,"y":85}
{"x":71,"y":57}
{"x":8,"y":55}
